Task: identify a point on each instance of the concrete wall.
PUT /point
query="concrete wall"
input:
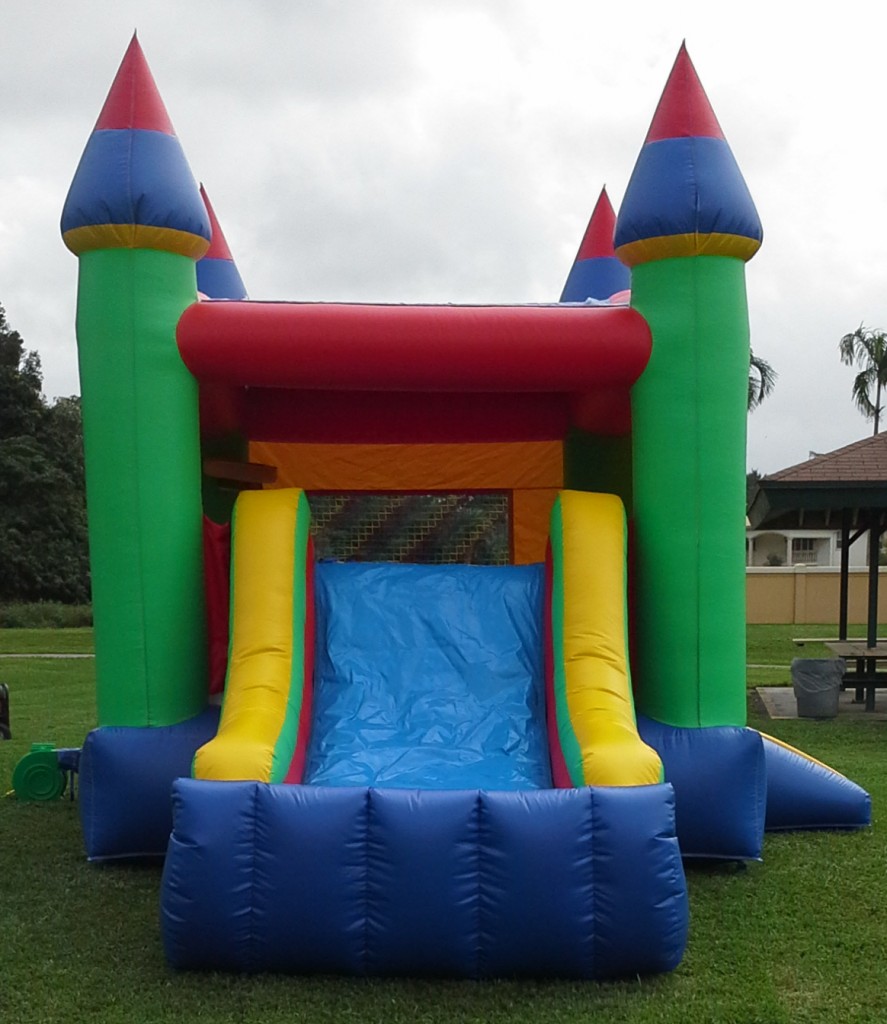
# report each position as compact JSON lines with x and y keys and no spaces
{"x":808,"y":594}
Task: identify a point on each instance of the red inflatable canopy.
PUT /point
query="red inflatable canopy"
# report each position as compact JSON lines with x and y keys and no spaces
{"x":566,"y":360}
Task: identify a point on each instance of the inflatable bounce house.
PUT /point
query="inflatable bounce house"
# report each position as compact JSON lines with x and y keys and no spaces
{"x":420,"y":632}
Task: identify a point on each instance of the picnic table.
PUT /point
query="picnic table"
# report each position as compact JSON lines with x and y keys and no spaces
{"x":866,"y":669}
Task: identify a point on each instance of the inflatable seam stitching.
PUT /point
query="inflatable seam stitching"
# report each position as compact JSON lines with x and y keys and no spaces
{"x":250,"y":958}
{"x":87,"y":784}
{"x":478,"y":823}
{"x":591,"y":887}
{"x":365,"y":951}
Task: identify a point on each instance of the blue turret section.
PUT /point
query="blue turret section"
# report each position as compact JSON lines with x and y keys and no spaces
{"x":217,"y":273}
{"x":596,"y":273}
{"x":133,"y":188}
{"x":686,"y":196}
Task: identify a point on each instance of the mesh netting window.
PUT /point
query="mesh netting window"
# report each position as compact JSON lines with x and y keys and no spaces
{"x":423,"y":528}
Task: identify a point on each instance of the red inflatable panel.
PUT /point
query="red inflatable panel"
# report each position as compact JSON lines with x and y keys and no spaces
{"x":318,"y":346}
{"x":217,"y":572}
{"x":371,"y":417}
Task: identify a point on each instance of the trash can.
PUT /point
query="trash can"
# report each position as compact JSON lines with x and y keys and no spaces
{"x":817,"y":685}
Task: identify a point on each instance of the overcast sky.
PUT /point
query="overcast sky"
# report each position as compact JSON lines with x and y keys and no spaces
{"x":447,"y":151}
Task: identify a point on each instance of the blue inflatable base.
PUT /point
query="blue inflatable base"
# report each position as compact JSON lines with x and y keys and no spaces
{"x":720,"y":781}
{"x":805,"y":794}
{"x":733,"y":783}
{"x":125,"y":785}
{"x":579,"y":883}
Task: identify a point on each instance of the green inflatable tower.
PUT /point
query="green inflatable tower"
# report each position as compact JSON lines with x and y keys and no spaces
{"x":135,"y":219}
{"x":686,"y":227}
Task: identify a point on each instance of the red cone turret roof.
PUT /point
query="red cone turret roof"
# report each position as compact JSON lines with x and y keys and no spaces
{"x":684,"y":110}
{"x":218,"y":247}
{"x":598,"y":238}
{"x":133,"y":100}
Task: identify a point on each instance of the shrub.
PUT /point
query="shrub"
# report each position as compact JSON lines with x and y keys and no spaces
{"x":45,"y":615}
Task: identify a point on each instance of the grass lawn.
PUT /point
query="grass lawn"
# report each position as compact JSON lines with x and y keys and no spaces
{"x":46,"y":641}
{"x":770,"y":650}
{"x":799,"y":938}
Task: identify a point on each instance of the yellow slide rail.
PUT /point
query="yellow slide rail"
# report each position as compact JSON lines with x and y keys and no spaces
{"x":592,"y":728}
{"x":263,"y":725}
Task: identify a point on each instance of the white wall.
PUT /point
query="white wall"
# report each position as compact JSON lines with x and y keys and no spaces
{"x":762,"y":543}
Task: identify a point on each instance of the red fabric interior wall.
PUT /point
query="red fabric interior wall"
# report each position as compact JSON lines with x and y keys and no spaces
{"x":216,"y":576}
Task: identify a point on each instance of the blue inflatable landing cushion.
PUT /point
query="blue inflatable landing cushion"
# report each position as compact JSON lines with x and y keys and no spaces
{"x":579,"y":883}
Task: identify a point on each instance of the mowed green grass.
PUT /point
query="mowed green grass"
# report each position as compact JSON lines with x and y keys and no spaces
{"x":797,"y":938}
{"x":770,"y":649}
{"x":46,"y":641}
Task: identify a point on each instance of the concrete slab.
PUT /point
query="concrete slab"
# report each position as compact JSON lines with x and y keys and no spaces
{"x":780,"y":702}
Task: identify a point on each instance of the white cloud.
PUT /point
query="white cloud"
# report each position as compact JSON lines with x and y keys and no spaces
{"x":447,"y":150}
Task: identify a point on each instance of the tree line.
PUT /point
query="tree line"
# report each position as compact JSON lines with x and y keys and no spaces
{"x":43,"y":540}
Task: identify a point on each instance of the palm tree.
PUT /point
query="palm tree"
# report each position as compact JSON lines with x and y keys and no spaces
{"x":868,"y":349}
{"x":761,"y":380}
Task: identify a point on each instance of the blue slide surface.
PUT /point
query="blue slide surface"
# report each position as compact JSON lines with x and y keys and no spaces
{"x":430,"y":677}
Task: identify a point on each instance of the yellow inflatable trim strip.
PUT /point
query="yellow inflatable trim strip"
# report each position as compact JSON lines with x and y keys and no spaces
{"x":596,"y":719}
{"x":267,"y":528}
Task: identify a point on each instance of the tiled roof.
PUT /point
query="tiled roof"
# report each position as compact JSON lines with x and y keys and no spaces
{"x":861,"y":462}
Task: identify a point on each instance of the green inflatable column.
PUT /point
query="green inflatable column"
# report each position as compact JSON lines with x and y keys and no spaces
{"x":686,"y":227}
{"x":135,"y":218}
{"x":688,"y":416}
